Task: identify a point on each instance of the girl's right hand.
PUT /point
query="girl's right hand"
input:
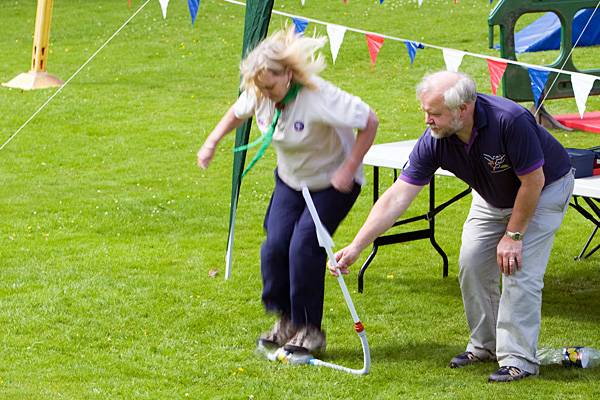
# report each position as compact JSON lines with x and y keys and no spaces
{"x":205,"y":155}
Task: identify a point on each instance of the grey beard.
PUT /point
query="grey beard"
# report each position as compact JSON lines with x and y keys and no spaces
{"x":455,"y":127}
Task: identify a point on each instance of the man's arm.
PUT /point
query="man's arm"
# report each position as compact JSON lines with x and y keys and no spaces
{"x":509,"y":252}
{"x":384,"y":213}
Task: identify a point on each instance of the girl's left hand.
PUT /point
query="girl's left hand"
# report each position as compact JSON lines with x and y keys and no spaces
{"x":343,"y":179}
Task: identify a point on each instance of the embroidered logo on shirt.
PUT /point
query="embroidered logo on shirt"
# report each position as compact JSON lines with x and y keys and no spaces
{"x":496,"y":163}
{"x":298,"y":126}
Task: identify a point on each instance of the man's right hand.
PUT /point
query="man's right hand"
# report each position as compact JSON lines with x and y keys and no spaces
{"x":344,"y":258}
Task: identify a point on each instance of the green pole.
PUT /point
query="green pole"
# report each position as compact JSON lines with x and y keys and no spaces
{"x":256,"y":26}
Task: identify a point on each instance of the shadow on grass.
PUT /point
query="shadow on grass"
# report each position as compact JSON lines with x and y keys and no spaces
{"x":572,"y":291}
{"x":424,"y":283}
{"x":438,"y":355}
{"x":557,"y":373}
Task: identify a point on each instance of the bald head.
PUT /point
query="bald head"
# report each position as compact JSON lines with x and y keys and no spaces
{"x":455,"y":88}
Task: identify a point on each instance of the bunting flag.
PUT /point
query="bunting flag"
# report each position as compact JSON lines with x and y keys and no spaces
{"x":380,"y":1}
{"x":582,"y":85}
{"x":412,"y":49}
{"x":420,"y":3}
{"x":374,"y":42}
{"x":300,"y":25}
{"x":452,"y":58}
{"x":496,"y":69}
{"x":538,"y":79}
{"x":129,"y":3}
{"x":193,"y":6}
{"x":336,"y":37}
{"x":163,"y":5}
{"x":302,"y":2}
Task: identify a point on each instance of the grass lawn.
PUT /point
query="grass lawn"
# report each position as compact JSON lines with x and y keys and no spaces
{"x":108,"y":230}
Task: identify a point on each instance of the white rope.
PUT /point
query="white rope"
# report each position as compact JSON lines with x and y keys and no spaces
{"x":566,"y":60}
{"x":72,"y":76}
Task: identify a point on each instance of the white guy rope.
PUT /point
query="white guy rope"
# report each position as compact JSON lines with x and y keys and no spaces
{"x":567,"y":59}
{"x":72,"y":76}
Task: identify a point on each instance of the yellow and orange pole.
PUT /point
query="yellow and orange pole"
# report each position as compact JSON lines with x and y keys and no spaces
{"x":37,"y":77}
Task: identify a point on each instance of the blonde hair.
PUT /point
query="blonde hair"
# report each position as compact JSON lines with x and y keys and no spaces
{"x":284,"y":50}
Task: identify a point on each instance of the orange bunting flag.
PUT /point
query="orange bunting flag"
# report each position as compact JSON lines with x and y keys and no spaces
{"x":496,"y":69}
{"x":374,"y":42}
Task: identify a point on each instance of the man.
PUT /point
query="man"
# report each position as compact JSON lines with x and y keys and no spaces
{"x":522,"y":182}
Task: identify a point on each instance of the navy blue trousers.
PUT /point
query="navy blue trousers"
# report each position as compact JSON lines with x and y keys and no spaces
{"x":292,"y":263}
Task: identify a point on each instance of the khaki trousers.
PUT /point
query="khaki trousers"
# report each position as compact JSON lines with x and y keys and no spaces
{"x":506,"y":323}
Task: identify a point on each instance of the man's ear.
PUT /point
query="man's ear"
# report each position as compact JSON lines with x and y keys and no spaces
{"x":464,"y":108}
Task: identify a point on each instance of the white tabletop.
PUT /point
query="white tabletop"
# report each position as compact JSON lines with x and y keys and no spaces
{"x":588,"y":187}
{"x":395,"y":155}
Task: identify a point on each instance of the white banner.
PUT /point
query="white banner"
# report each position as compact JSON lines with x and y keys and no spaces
{"x":336,"y":37}
{"x":163,"y":5}
{"x":453,"y":58}
{"x":582,"y":84}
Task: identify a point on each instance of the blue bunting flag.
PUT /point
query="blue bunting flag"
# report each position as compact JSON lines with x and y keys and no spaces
{"x":193,"y":6}
{"x":538,"y":79}
{"x":300,"y":25}
{"x":412,"y":49}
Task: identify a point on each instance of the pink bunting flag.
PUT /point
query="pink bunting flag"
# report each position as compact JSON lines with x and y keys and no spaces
{"x":374,"y":42}
{"x":496,"y":69}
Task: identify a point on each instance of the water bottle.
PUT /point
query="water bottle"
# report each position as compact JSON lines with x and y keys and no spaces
{"x":575,"y":356}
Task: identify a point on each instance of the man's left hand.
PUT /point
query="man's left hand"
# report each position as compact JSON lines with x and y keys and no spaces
{"x":509,"y":255}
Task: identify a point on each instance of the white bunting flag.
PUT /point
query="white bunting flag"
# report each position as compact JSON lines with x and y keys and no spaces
{"x":302,"y":1}
{"x":336,"y":37}
{"x":582,"y":84}
{"x":452,"y":58}
{"x":420,"y":3}
{"x":163,"y":5}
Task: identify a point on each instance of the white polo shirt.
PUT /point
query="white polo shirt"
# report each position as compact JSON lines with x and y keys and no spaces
{"x":314,"y":134}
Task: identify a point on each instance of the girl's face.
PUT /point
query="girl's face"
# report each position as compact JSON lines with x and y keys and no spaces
{"x":274,"y":84}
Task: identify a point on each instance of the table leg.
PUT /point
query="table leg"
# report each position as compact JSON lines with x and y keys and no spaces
{"x":594,"y":219}
{"x":431,"y":218}
{"x":428,"y":233}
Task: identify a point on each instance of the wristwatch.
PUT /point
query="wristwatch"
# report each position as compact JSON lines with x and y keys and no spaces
{"x":514,"y":235}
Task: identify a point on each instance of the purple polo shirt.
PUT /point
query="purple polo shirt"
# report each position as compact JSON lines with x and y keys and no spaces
{"x":506,"y":142}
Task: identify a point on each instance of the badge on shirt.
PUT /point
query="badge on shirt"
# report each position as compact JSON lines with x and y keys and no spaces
{"x":298,"y":126}
{"x":497,"y":163}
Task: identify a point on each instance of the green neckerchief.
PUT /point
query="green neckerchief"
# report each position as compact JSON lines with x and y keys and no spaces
{"x":267,"y":137}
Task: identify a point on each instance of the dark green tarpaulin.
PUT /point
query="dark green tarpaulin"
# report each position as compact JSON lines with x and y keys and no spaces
{"x":256,"y":25}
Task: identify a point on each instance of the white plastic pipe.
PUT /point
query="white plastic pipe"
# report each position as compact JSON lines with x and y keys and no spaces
{"x":326,"y":242}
